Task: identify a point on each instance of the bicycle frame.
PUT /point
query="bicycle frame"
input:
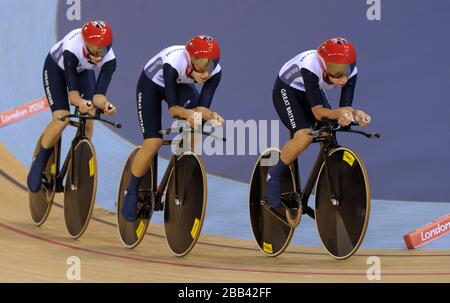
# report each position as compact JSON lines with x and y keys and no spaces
{"x":80,"y":135}
{"x":156,"y":193}
{"x":326,"y":144}
{"x":159,"y":190}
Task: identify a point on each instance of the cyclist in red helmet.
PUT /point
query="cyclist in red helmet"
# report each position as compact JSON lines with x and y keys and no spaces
{"x":69,"y":78}
{"x":170,"y":76}
{"x":97,"y":37}
{"x":300,"y":100}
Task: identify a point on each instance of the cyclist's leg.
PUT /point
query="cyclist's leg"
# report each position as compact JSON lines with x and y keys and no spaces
{"x":86,"y":83}
{"x":54,"y":129}
{"x":288,"y":104}
{"x":149,"y":107}
{"x":301,"y":137}
{"x":56,"y":92}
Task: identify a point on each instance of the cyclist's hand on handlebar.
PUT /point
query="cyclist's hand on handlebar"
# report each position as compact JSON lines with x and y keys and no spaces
{"x":194,"y":118}
{"x":218,"y":121}
{"x":101,"y":102}
{"x":345,"y":116}
{"x":362,"y":118}
{"x":85,"y":106}
{"x":109,"y":109}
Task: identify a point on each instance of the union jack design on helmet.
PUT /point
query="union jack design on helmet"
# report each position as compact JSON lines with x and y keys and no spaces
{"x":335,"y":52}
{"x":97,"y":34}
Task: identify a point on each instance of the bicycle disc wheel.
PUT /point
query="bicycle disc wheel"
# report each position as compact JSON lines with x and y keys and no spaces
{"x":272,"y":235}
{"x":183,"y":221}
{"x":79,"y":193}
{"x":132,"y":233}
{"x":342,"y":227}
{"x":41,"y":202}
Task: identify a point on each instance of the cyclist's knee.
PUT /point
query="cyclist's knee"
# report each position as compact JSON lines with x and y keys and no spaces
{"x":303,"y":136}
{"x":58,"y":123}
{"x":151,"y":146}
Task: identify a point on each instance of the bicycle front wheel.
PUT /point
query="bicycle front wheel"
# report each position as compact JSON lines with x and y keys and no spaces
{"x":342,"y":227}
{"x":184,"y":214}
{"x":80,"y":188}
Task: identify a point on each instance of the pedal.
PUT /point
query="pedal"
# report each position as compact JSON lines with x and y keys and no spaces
{"x":145,"y":196}
{"x":298,"y":198}
{"x":145,"y":211}
{"x":45,"y":182}
{"x":292,"y":200}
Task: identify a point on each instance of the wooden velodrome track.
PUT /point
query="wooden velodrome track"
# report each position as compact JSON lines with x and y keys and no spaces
{"x":39,"y":254}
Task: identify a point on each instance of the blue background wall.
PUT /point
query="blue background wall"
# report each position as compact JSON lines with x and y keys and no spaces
{"x":403,"y":62}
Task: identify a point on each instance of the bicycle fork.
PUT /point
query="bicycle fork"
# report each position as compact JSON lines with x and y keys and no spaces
{"x":164,"y":182}
{"x":334,"y":199}
{"x":74,"y":178}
